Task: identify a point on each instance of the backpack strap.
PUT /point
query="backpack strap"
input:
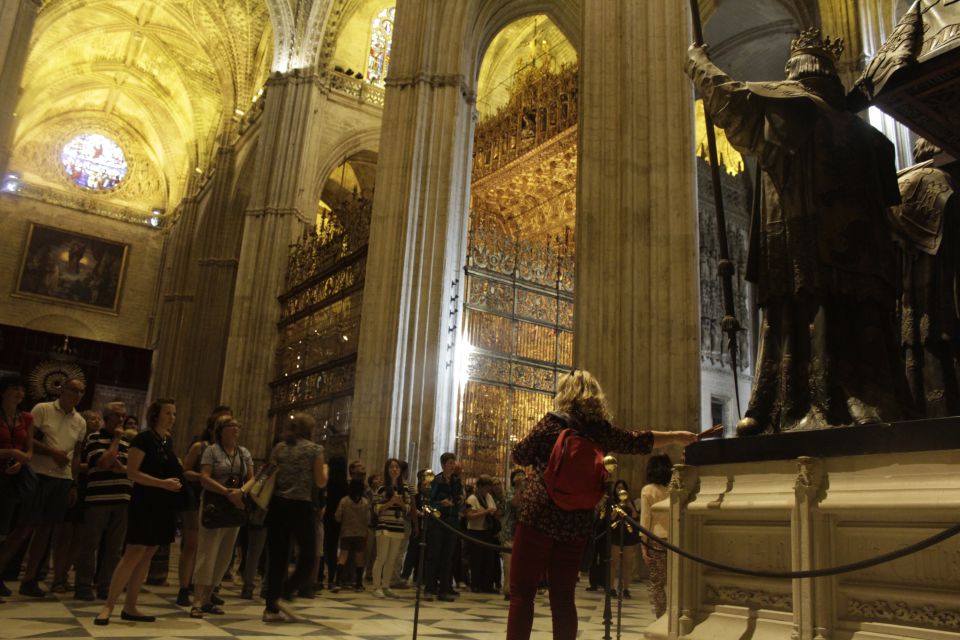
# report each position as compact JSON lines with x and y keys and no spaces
{"x":569,"y":420}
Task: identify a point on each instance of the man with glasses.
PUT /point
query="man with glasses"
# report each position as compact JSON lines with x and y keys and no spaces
{"x":59,"y":431}
{"x":105,"y":504}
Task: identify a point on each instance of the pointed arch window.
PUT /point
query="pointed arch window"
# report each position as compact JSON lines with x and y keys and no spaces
{"x":381,"y":37}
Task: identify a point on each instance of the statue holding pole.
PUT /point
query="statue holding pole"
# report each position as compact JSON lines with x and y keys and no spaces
{"x":821,"y":251}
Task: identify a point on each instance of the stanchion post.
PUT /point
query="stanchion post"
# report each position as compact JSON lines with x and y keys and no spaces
{"x":427,"y":476}
{"x":623,"y":526}
{"x":610,"y":464}
{"x":420,"y":554}
{"x":607,"y":552}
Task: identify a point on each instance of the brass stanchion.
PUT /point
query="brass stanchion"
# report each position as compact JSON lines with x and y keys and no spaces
{"x":428,"y":475}
{"x":610,"y":464}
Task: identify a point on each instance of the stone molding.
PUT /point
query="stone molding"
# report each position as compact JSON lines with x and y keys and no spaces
{"x":178,"y":297}
{"x":218,"y":262}
{"x":272,"y":211}
{"x":749,"y":597}
{"x":885,"y":611}
{"x":435,"y":81}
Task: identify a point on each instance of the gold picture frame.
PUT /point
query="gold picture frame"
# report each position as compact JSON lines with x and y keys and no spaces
{"x":72,"y":268}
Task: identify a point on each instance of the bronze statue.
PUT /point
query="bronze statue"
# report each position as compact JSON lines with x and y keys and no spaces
{"x":927,"y":235}
{"x":821,"y":251}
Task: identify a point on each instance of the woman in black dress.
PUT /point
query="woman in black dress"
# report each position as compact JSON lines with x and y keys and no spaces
{"x":156,"y":473}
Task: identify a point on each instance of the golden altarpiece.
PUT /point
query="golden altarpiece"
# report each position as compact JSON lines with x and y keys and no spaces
{"x":517,"y":335}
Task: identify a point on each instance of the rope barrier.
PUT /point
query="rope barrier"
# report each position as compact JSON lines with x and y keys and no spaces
{"x":809,"y":573}
{"x":437,"y":518}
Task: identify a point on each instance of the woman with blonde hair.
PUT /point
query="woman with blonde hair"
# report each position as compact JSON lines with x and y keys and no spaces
{"x":548,"y":539}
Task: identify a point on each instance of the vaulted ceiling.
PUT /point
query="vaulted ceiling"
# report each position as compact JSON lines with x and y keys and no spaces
{"x":161,"y":77}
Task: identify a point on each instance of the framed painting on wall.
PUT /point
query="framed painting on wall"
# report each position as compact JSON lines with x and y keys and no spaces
{"x":72,"y":268}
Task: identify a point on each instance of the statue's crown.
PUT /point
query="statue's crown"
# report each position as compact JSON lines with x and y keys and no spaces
{"x":811,"y":42}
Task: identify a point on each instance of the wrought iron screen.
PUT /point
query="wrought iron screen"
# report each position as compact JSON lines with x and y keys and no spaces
{"x":320,"y":323}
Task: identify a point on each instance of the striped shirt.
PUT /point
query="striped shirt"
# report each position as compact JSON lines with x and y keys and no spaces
{"x":391,"y":518}
{"x":106,"y":486}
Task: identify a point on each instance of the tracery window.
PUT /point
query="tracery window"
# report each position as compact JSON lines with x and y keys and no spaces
{"x":94,"y":161}
{"x":381,"y":37}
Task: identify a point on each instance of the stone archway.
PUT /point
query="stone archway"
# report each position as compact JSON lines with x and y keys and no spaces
{"x":637,"y":264}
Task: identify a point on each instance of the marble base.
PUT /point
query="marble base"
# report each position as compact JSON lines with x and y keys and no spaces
{"x":811,"y":512}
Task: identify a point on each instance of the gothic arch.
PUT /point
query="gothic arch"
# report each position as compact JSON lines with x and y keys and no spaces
{"x":345,"y":148}
{"x":284,"y":34}
{"x":491,"y":16}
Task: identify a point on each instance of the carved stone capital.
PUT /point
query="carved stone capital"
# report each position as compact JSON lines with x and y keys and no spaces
{"x":809,"y":483}
{"x":684,"y":483}
{"x":435,"y":81}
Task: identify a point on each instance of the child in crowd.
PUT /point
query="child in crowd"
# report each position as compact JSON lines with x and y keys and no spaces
{"x":353,"y":514}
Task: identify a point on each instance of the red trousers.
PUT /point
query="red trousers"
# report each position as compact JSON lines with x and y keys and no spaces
{"x":534,"y":555}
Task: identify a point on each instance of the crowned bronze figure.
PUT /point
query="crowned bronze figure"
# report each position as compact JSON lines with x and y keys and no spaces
{"x":821,"y":251}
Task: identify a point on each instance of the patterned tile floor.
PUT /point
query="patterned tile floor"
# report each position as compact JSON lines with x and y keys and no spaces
{"x":346,"y":615}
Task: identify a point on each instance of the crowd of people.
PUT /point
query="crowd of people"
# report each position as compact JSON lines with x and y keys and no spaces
{"x":93,"y":493}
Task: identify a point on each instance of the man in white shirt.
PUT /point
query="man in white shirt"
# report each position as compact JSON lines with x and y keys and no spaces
{"x":56,"y":459}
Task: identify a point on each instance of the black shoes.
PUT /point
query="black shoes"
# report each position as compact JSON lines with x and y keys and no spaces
{"x":183,"y":597}
{"x":447,"y":597}
{"x":215,"y":599}
{"x":84,"y":594}
{"x":31,"y":589}
{"x":247,"y":593}
{"x":135,"y":618}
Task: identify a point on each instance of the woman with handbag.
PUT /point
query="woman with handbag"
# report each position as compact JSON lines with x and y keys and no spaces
{"x":226,"y":471}
{"x":549,"y":539}
{"x":157,"y":479}
{"x":16,"y":450}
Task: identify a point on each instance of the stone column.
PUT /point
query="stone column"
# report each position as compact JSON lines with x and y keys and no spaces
{"x":405,"y":394}
{"x":172,"y":361}
{"x":17,"y":18}
{"x":280,"y":206}
{"x":637,"y":321}
{"x":840,"y":19}
{"x":811,"y":604}
{"x":682,"y":582}
{"x":215,"y":248}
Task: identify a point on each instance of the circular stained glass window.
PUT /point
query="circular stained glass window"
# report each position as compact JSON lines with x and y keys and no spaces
{"x":94,"y":161}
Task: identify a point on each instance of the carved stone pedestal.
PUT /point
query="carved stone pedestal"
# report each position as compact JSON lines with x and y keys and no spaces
{"x":820,"y":499}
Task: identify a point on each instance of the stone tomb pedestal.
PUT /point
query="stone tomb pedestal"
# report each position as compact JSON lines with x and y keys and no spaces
{"x":799,"y":501}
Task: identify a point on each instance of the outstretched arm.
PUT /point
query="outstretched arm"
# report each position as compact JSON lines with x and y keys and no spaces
{"x":731,"y":104}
